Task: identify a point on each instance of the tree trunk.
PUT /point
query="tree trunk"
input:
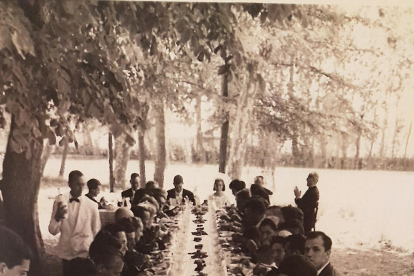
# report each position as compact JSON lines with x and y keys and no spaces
{"x":199,"y":137}
{"x":240,"y":135}
{"x":240,"y":131}
{"x":111,"y":164}
{"x":45,"y":157}
{"x":161,"y":151}
{"x":408,"y":139}
{"x":224,"y":126}
{"x":123,"y":150}
{"x":142,"y":156}
{"x":20,"y":188}
{"x":64,"y":156}
{"x":358,"y":146}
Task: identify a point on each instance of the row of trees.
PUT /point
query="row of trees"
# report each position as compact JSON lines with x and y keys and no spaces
{"x":275,"y":73}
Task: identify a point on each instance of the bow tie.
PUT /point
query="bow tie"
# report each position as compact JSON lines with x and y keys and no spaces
{"x":74,"y":199}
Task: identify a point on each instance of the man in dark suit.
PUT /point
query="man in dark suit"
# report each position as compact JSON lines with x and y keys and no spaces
{"x":318,"y":251}
{"x":130,"y":193}
{"x":259,"y":180}
{"x":178,"y":192}
{"x":309,"y":202}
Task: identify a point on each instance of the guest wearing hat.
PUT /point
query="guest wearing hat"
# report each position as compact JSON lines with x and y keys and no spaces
{"x":178,"y":193}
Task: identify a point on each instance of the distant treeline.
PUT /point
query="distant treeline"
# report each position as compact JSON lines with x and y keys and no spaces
{"x":257,"y":157}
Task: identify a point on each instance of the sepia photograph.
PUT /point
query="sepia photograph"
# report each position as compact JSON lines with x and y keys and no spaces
{"x":188,"y":138}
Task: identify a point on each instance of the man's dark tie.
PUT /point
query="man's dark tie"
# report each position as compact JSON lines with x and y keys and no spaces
{"x":74,"y":199}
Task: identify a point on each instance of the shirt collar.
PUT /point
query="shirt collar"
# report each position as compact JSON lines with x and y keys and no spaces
{"x":322,"y":268}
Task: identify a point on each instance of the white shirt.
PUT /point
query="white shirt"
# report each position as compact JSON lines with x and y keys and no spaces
{"x":78,"y":230}
{"x":179,"y":197}
{"x":320,"y":270}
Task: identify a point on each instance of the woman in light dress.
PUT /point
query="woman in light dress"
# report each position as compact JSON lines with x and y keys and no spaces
{"x":219,"y":199}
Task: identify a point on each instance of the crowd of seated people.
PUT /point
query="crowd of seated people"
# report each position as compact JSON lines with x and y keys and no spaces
{"x":273,"y":237}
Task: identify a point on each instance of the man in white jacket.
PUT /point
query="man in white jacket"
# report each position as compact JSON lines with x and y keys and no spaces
{"x":77,"y":219}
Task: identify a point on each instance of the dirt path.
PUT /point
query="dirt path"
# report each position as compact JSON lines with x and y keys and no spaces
{"x":373,"y":262}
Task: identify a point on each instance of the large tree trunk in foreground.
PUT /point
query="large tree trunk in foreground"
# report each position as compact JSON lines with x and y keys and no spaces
{"x":161,"y":151}
{"x":141,"y":156}
{"x":20,"y":188}
{"x":111,"y":163}
{"x":123,"y":150}
{"x":224,"y":127}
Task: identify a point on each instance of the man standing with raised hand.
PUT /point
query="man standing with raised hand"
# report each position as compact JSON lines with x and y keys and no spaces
{"x":309,"y":202}
{"x":76,"y":217}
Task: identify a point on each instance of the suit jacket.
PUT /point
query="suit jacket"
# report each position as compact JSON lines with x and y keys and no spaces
{"x":127,"y":193}
{"x":186,"y":193}
{"x":329,"y":270}
{"x":75,"y":240}
{"x":308,"y":203}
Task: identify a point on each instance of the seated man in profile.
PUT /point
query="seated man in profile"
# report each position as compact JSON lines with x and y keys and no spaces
{"x":178,"y":193}
{"x":14,"y":254}
{"x":94,"y":187}
{"x":318,"y":251}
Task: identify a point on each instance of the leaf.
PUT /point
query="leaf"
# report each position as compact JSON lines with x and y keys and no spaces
{"x":238,"y":58}
{"x":59,"y":131}
{"x":185,"y":36}
{"x":63,"y":107}
{"x":116,"y":129}
{"x":36,"y":132}
{"x":200,"y":56}
{"x":218,"y":49}
{"x":15,"y":146}
{"x":262,"y":83}
{"x":180,"y":25}
{"x":153,"y":49}
{"x":76,"y":145}
{"x":53,"y":122}
{"x":23,"y":43}
{"x":195,"y":44}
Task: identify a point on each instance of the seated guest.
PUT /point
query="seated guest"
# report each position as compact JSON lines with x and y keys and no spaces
{"x":259,"y":192}
{"x":237,"y":186}
{"x":15,"y":255}
{"x":318,"y":251}
{"x":122,"y":213}
{"x":105,"y":253}
{"x":275,"y":211}
{"x":295,"y":245}
{"x":268,"y":229}
{"x":242,"y":197}
{"x":178,"y":193}
{"x":294,"y":266}
{"x":290,"y":212}
{"x":219,"y":199}
{"x":294,"y":226}
{"x":118,"y":232}
{"x":94,"y":187}
{"x":130,"y":193}
{"x":108,"y":261}
{"x":259,"y":180}
{"x":254,"y":212}
{"x":270,"y":256}
{"x":141,"y":193}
